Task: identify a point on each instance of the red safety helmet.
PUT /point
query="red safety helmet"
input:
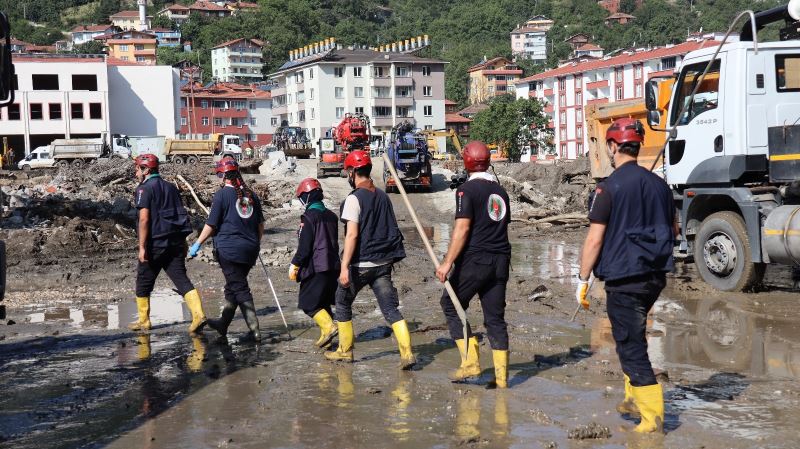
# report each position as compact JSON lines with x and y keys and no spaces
{"x":357,"y":159}
{"x":625,"y":130}
{"x":147,"y":160}
{"x":226,"y":165}
{"x":307,"y":185}
{"x":477,"y":157}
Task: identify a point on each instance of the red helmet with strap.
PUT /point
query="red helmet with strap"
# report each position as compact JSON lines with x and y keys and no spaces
{"x":357,"y":159}
{"x":307,"y":185}
{"x":226,"y":165}
{"x":477,"y":157}
{"x":625,"y":130}
{"x":147,"y":160}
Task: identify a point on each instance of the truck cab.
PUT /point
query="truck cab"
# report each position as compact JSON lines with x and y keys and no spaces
{"x":230,"y":144}
{"x":41,"y":157}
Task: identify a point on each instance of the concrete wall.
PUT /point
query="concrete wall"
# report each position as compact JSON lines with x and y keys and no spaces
{"x":144,"y":100}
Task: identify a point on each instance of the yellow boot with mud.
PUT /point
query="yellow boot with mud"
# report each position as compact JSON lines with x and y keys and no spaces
{"x":345,"y":351}
{"x":500,"y":358}
{"x":407,"y":359}
{"x":143,"y":307}
{"x":471,"y":366}
{"x":628,"y":405}
{"x":650,"y":401}
{"x":196,"y":307}
{"x":327,"y":328}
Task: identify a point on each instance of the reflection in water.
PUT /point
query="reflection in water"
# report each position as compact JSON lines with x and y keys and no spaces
{"x":468,"y":416}
{"x":143,"y":342}
{"x":399,"y":421}
{"x":195,"y":359}
{"x":345,"y":387}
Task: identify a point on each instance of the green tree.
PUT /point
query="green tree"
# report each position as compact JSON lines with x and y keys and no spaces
{"x":512,"y":124}
{"x":627,"y":6}
{"x":89,"y":48}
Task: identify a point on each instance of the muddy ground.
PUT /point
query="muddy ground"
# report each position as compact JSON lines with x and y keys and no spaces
{"x":71,"y":376}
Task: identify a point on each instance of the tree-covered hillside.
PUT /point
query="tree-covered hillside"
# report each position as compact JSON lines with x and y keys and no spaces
{"x":462,"y":31}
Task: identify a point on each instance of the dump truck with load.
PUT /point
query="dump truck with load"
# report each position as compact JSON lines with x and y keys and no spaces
{"x":191,"y":152}
{"x":75,"y":152}
{"x":732,"y":153}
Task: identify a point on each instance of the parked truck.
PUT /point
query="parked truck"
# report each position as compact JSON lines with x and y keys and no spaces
{"x":76,"y":152}
{"x":408,"y":151}
{"x":352,"y":133}
{"x":192,"y":152}
{"x":732,"y":155}
{"x":293,"y":141}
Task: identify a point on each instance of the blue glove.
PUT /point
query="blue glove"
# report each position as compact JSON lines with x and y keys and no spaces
{"x":194,"y":249}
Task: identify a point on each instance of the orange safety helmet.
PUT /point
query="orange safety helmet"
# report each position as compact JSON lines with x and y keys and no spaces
{"x":357,"y":159}
{"x":226,"y":165}
{"x":147,"y":160}
{"x":477,"y":156}
{"x":307,"y":185}
{"x":625,"y":130}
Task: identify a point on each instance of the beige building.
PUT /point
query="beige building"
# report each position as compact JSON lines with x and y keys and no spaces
{"x":129,"y":20}
{"x":493,"y":77}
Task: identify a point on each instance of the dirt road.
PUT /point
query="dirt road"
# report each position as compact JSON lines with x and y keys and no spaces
{"x":71,"y":376}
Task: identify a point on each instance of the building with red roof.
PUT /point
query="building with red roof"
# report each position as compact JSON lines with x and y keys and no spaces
{"x":529,"y":41}
{"x":492,"y":77}
{"x":619,"y":18}
{"x":129,"y":20}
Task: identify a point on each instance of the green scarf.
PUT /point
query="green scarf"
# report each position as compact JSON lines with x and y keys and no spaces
{"x":316,"y":205}
{"x":154,"y":175}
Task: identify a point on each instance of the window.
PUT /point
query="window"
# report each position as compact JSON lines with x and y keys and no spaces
{"x":668,"y":63}
{"x":378,"y":72}
{"x":579,"y":132}
{"x":579,"y":115}
{"x":253,"y":121}
{"x":706,"y":98}
{"x":45,"y":82}
{"x":427,"y":111}
{"x":95,"y":111}
{"x":579,"y":98}
{"x":339,"y":112}
{"x":579,"y":148}
{"x":338,"y":92}
{"x":618,"y":73}
{"x":273,"y":121}
{"x":637,"y":71}
{"x":358,"y":92}
{"x":298,"y":77}
{"x":383,"y":111}
{"x":562,"y":100}
{"x":124,"y":58}
{"x":563,"y":148}
{"x":310,"y":95}
{"x":123,"y":48}
{"x":403,"y":91}
{"x":289,"y":99}
{"x":311,"y":74}
{"x":301,"y":116}
{"x":313,"y":114}
{"x":787,"y":73}
{"x":204,"y":121}
{"x":562,"y":117}
{"x":36,"y":111}
{"x":183,"y":121}
{"x":357,"y":72}
{"x":562,"y":83}
{"x":428,"y":127}
{"x":359,"y":110}
{"x":578,"y":81}
{"x":426,"y":70}
{"x":76,"y":110}
{"x":13,"y":111}
{"x":401,"y":71}
{"x":140,"y":59}
{"x":637,"y":90}
{"x":402,"y":111}
{"x":217,"y":121}
{"x":252,"y":104}
{"x":203,"y":104}
{"x":55,"y":111}
{"x":205,"y":136}
{"x":240,"y":105}
{"x":426,"y":91}
{"x":138,"y":47}
{"x":338,"y":72}
{"x":84,"y":82}
{"x":619,"y":93}
{"x":563,"y":133}
{"x":252,"y":137}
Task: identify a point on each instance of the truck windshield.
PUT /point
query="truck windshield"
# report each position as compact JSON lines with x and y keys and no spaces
{"x":706,"y":97}
{"x":234,"y":141}
{"x":787,"y":72}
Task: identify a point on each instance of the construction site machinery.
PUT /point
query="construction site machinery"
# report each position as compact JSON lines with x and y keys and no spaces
{"x":293,"y":141}
{"x":732,"y":154}
{"x":192,"y":152}
{"x":408,"y":151}
{"x":352,"y":133}
{"x":433,"y":143}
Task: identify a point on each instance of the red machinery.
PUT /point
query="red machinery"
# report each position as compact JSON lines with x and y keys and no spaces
{"x":352,"y":133}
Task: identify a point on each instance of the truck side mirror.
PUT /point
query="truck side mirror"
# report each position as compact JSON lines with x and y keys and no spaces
{"x":653,"y":119}
{"x":651,"y":95}
{"x":6,"y":67}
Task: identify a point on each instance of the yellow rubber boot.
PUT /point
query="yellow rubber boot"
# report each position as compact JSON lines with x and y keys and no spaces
{"x":407,"y":359}
{"x":196,"y":307}
{"x":471,"y":366}
{"x":143,"y":307}
{"x":345,"y":351}
{"x":628,"y":405}
{"x":327,"y":328}
{"x":500,"y":357}
{"x":650,"y":401}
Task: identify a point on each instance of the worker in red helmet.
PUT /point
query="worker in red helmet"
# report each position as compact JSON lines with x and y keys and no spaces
{"x":315,"y":264}
{"x":373,"y":243}
{"x":236,"y":222}
{"x":162,"y":228}
{"x":629,"y":246}
{"x":479,"y":256}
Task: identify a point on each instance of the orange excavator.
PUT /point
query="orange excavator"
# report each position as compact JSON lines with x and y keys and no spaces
{"x":352,"y":133}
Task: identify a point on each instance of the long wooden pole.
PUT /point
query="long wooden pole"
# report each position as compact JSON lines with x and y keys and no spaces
{"x":462,"y":315}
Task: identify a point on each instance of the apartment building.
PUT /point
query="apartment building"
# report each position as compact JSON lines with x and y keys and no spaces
{"x":129,"y":20}
{"x":321,"y":83}
{"x":529,"y":41}
{"x":140,"y":48}
{"x":568,"y":89}
{"x":227,"y":108}
{"x":57,"y":97}
{"x":167,"y":37}
{"x":209,"y":9}
{"x":177,"y":13}
{"x":82,"y":34}
{"x":237,"y":60}
{"x":492,"y":77}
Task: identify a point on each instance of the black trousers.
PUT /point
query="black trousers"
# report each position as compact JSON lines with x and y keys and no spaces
{"x":318,"y":292}
{"x":237,"y":290}
{"x":173,"y":261}
{"x":380,"y":280}
{"x":485,"y":275}
{"x":628,"y":315}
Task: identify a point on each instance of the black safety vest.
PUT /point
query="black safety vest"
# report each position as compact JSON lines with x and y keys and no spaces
{"x":326,"y":242}
{"x":639,"y":235}
{"x":379,"y":237}
{"x":168,"y":217}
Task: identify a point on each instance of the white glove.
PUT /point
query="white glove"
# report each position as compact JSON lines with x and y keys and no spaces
{"x":582,"y":292}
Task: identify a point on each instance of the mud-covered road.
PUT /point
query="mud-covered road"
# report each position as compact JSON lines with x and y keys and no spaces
{"x":72,"y":376}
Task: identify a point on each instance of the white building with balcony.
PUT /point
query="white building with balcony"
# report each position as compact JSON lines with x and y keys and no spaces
{"x":567,"y":90}
{"x":529,"y":41}
{"x":237,"y":60}
{"x":316,"y":91}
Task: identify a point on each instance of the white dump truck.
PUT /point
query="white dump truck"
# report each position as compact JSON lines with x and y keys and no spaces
{"x":75,"y":152}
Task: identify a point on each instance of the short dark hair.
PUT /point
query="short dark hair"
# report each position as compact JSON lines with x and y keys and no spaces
{"x":630,"y":148}
{"x":364,"y":171}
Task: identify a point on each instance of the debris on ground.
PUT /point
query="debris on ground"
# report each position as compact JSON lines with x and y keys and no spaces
{"x":593,"y":431}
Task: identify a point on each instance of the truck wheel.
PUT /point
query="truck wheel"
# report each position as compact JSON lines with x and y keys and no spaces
{"x":77,"y":163}
{"x":177,"y":160}
{"x":191,"y":160}
{"x":26,"y":167}
{"x":723,"y":255}
{"x":63,"y":163}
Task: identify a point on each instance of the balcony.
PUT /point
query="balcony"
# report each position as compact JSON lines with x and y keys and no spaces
{"x":280,"y":110}
{"x":404,"y":101}
{"x":599,"y":84}
{"x":249,"y":54}
{"x":278,"y":91}
{"x":548,"y":92}
{"x":531,"y":94}
{"x":382,"y":101}
{"x":667,"y":73}
{"x":145,"y":52}
{"x":549,"y":108}
{"x":382,"y":121}
{"x":383,"y":81}
{"x":597,"y":101}
{"x":403,"y":81}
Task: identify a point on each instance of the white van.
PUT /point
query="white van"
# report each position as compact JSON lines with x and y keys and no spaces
{"x":41,"y":157}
